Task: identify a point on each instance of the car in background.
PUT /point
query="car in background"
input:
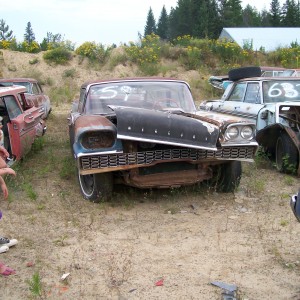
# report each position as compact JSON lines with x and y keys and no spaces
{"x":34,"y":93}
{"x":295,"y":205}
{"x":147,"y":133}
{"x":279,"y":72}
{"x":273,"y":103}
{"x":19,"y":127}
{"x":221,"y":82}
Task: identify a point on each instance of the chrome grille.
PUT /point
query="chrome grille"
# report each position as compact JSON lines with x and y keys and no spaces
{"x":149,"y":157}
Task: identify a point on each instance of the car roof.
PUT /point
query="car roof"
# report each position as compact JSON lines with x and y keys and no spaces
{"x":20,"y":79}
{"x":163,"y":79}
{"x":268,"y":79}
{"x":4,"y":91}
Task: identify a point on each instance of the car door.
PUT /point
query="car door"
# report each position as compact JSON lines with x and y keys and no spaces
{"x":231,"y":101}
{"x":251,"y":103}
{"x":21,"y":126}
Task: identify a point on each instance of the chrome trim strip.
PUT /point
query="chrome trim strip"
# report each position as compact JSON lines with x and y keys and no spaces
{"x":124,"y":137}
{"x":251,"y":116}
{"x":98,"y":153}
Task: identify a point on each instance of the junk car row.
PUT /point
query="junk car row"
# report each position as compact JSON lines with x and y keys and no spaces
{"x":148,"y":132}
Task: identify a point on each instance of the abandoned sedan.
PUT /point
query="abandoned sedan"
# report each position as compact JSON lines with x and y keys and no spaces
{"x":19,"y":128}
{"x":34,"y":94}
{"x":274,"y":105}
{"x":147,"y":133}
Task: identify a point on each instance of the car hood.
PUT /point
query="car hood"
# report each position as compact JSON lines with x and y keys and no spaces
{"x":186,"y":130}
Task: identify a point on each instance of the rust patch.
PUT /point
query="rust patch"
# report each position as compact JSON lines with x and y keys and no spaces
{"x":90,"y":121}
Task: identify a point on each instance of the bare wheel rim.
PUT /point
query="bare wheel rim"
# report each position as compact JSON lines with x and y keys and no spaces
{"x":87,"y":182}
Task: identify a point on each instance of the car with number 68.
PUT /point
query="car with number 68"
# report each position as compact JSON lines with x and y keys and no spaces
{"x":147,"y":133}
{"x":273,"y":103}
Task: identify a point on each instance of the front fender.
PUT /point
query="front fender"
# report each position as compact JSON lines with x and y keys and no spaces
{"x":92,"y":124}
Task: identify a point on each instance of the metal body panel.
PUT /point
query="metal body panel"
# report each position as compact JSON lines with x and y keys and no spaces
{"x":159,"y":145}
{"x":165,"y":128}
{"x":274,"y":105}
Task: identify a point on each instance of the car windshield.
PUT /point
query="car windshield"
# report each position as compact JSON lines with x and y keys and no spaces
{"x":280,"y":91}
{"x":159,"y":95}
{"x":25,"y":84}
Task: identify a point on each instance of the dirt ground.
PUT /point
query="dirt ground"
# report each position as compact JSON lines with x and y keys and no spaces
{"x":147,"y":244}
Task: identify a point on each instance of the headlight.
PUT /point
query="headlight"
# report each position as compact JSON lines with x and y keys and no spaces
{"x":98,"y":139}
{"x":247,"y":132}
{"x":232,"y":133}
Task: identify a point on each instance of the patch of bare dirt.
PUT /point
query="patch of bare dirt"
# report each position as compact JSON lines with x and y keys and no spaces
{"x":185,"y":238}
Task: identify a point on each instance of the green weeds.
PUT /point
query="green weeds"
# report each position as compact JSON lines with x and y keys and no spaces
{"x":35,"y":285}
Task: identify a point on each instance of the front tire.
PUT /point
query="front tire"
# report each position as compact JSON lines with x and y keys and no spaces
{"x":286,"y":154}
{"x":96,"y":187}
{"x":227,"y":177}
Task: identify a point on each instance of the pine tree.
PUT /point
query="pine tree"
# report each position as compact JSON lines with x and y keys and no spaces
{"x":275,"y":13}
{"x":163,"y":25}
{"x":251,"y":17}
{"x":173,"y":24}
{"x":289,"y":14}
{"x":199,"y":18}
{"x":265,"y":18}
{"x":5,"y":33}
{"x":29,"y":36}
{"x":184,"y":18}
{"x":214,"y":26}
{"x":150,"y":24}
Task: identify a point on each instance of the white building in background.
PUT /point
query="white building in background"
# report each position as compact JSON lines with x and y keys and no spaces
{"x":267,"y":38}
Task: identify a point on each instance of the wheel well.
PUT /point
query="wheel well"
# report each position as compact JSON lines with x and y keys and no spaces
{"x":267,"y":137}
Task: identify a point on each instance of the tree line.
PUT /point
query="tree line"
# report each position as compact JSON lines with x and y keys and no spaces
{"x":207,"y":18}
{"x":29,"y":44}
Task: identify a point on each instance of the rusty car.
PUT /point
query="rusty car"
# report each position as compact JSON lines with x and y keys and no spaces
{"x":273,"y":103}
{"x":35,"y":95}
{"x":19,"y":128}
{"x":147,"y":133}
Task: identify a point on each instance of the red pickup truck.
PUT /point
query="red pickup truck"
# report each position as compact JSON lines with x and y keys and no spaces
{"x":19,"y":127}
{"x":34,"y":93}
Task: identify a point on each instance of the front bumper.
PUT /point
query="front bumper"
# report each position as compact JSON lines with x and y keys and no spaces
{"x":99,"y":162}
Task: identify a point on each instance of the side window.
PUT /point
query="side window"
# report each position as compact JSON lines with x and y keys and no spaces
{"x":39,"y":88}
{"x":12,"y":107}
{"x":238,"y":92}
{"x":252,"y":93}
{"x":35,"y":89}
{"x":81,"y":100}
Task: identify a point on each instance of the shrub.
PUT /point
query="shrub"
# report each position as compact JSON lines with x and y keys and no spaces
{"x":5,"y":44}
{"x":191,"y":58}
{"x":147,"y":52}
{"x":69,"y":73}
{"x":59,"y":56}
{"x":34,"y":61}
{"x":183,"y":41}
{"x":32,"y":47}
{"x":287,"y":57}
{"x":93,"y":51}
{"x":230,"y":52}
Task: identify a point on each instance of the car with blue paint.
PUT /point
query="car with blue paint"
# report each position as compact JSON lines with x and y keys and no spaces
{"x":148,"y":133}
{"x":273,"y":104}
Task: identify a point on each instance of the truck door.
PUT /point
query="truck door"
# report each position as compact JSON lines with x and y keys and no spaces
{"x":21,"y":126}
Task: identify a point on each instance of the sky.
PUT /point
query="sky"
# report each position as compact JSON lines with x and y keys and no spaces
{"x":100,"y":21}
